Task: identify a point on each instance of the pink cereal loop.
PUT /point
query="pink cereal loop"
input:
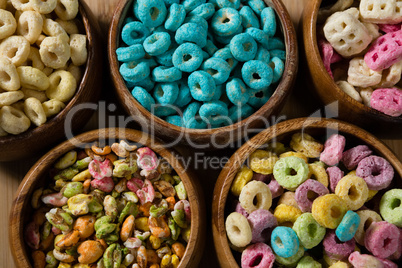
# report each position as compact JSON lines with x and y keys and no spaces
{"x":99,"y":170}
{"x":147,"y":193}
{"x":147,"y":159}
{"x":184,"y":205}
{"x":328,"y":55}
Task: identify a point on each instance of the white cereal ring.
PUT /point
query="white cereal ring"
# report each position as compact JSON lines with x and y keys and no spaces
{"x":8,"y":24}
{"x":66,"y":9}
{"x":34,"y":111}
{"x":34,"y":59}
{"x":258,"y":190}
{"x":54,"y":29}
{"x":76,"y":72}
{"x":13,"y":121}
{"x":31,"y":93}
{"x":54,"y":52}
{"x":44,"y":6}
{"x":33,"y":78}
{"x":9,"y":79}
{"x":366,"y":93}
{"x":360,"y":75}
{"x":22,"y":5}
{"x":78,"y":46}
{"x":52,"y":107}
{"x":381,"y":11}
{"x":15,"y":48}
{"x":30,"y":25}
{"x":70,"y":26}
{"x":62,"y":86}
{"x":8,"y":98}
{"x":350,"y":90}
{"x":40,"y":39}
{"x":391,"y":76}
{"x":238,"y":229}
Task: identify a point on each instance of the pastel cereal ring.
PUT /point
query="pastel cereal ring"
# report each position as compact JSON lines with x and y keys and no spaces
{"x":54,"y":52}
{"x":284,"y":241}
{"x":257,"y":74}
{"x":317,"y":172}
{"x":67,"y":9}
{"x":382,"y":239}
{"x":8,"y":22}
{"x":348,"y":226}
{"x":376,"y":171}
{"x":259,"y":251}
{"x":157,"y":43}
{"x":328,"y":210}
{"x":387,"y":100}
{"x":166,"y":74}
{"x":276,"y":188}
{"x":205,"y":11}
{"x":187,"y":57}
{"x":261,"y":222}
{"x":333,"y":149}
{"x":238,"y":229}
{"x":335,"y":174}
{"x":134,"y":71}
{"x":151,"y":13}
{"x":257,"y":6}
{"x":262,"y":161}
{"x":225,"y":54}
{"x":353,"y":156}
{"x":286,"y":215}
{"x":263,"y":55}
{"x":306,"y":144}
{"x":237,"y":91}
{"x":367,"y":217}
{"x":176,"y":17}
{"x":130,"y":53}
{"x":353,"y":191}
{"x":184,"y":96}
{"x":258,"y":190}
{"x":308,"y":230}
{"x":364,"y":260}
{"x":308,"y":261}
{"x":282,"y":170}
{"x":391,"y":208}
{"x":307,"y":191}
{"x":336,"y":250}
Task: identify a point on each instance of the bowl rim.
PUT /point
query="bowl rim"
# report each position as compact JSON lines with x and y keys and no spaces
{"x":282,"y":90}
{"x":309,"y":16}
{"x":37,"y":172}
{"x":226,"y":177}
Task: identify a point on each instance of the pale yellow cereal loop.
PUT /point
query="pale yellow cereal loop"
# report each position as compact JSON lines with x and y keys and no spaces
{"x":381,"y":11}
{"x":16,"y":49}
{"x":33,"y":78}
{"x":54,"y":52}
{"x":44,"y":6}
{"x":366,"y":93}
{"x":255,"y":195}
{"x":391,"y":76}
{"x":30,"y":25}
{"x":48,"y":71}
{"x":360,"y":75}
{"x":78,"y":46}
{"x":238,"y":229}
{"x":13,"y":121}
{"x":66,"y":9}
{"x":31,"y":93}
{"x":40,"y":39}
{"x":9,"y":79}
{"x":52,"y":107}
{"x":70,"y":26}
{"x":34,"y":111}
{"x":34,"y":59}
{"x":8,"y":98}
{"x":350,"y":90}
{"x":288,"y":198}
{"x":22,"y":5}
{"x":305,"y":144}
{"x":8,"y":24}
{"x":52,"y":28}
{"x":62,"y":86}
{"x":76,"y":72}
{"x":340,"y":5}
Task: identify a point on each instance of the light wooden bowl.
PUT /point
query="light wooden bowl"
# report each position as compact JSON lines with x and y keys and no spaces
{"x":21,"y":209}
{"x":283,"y":132}
{"x":328,"y":92}
{"x":28,"y":143}
{"x":206,"y":138}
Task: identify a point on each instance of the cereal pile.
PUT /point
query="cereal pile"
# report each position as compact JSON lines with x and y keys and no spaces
{"x":296,"y":207}
{"x":116,"y":206}
{"x":201,"y":65}
{"x":41,"y":50}
{"x":367,"y":42}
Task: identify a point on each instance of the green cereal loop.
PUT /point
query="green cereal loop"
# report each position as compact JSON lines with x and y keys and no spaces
{"x":291,"y":261}
{"x":391,"y":207}
{"x":308,"y":262}
{"x":308,"y":230}
{"x":283,"y":168}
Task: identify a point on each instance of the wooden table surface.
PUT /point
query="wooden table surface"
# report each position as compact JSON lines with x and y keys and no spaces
{"x":12,"y":173}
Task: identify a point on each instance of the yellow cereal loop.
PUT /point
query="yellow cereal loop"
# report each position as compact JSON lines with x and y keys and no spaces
{"x":30,"y":25}
{"x":288,"y":198}
{"x":33,"y":78}
{"x":39,"y":95}
{"x":366,"y":218}
{"x":66,"y":9}
{"x":328,"y":210}
{"x":34,"y":59}
{"x":242,"y":178}
{"x":34,"y":110}
{"x":70,"y":26}
{"x":78,"y":46}
{"x":299,"y":155}
{"x":339,"y":264}
{"x":371,"y":194}
{"x":8,"y":24}
{"x":305,"y":144}
{"x":262,"y":161}
{"x":8,"y":98}
{"x":54,"y":52}
{"x":286,"y":215}
{"x":52,"y":107}
{"x":276,"y":147}
{"x":15,"y":48}
{"x":62,"y":86}
{"x":13,"y":121}
{"x":76,"y":72}
{"x":52,"y":28}
{"x":9,"y":79}
{"x":317,"y":172}
{"x":353,"y":190}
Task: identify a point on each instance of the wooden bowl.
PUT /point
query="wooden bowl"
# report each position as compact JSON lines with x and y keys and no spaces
{"x":205,"y":138}
{"x":283,"y":132}
{"x":28,"y":143}
{"x":328,"y":92}
{"x":21,"y":209}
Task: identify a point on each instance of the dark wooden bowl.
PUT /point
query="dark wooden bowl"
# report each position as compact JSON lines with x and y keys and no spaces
{"x":28,"y":143}
{"x":35,"y":178}
{"x":205,"y":138}
{"x":328,"y":92}
{"x":283,"y":132}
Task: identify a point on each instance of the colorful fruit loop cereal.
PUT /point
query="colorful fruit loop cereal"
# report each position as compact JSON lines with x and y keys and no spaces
{"x":112,"y":206}
{"x":315,"y":219}
{"x":42,"y":61}
{"x":227,"y":53}
{"x":368,"y":38}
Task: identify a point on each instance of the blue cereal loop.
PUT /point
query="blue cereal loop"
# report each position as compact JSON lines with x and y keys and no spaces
{"x":134,"y":71}
{"x":128,"y":19}
{"x":210,"y":47}
{"x":192,"y":4}
{"x":161,"y":110}
{"x":149,"y":60}
{"x":204,"y":11}
{"x":284,"y":241}
{"x":346,"y":230}
{"x":143,"y":97}
{"x":168,"y":3}
{"x":278,"y":67}
{"x":275,"y":43}
{"x":151,"y":13}
{"x":157,"y":43}
{"x":166,"y":74}
{"x":196,"y":123}
{"x":187,"y":57}
{"x":243,"y":47}
{"x":184,"y":96}
{"x":197,"y":20}
{"x":237,"y":113}
{"x":257,"y":74}
{"x":214,"y":112}
{"x":134,"y":33}
{"x":193,"y":33}
{"x":218,"y":92}
{"x":133,"y":52}
{"x":191,"y":111}
{"x":226,"y":21}
{"x":263,"y":55}
{"x":174,"y":120}
{"x":218,"y":68}
{"x":228,"y":3}
{"x":165,"y":59}
{"x":237,"y":92}
{"x":257,"y":6}
{"x":166,"y":93}
{"x":202,"y":86}
{"x":278,"y":53}
{"x":268,"y":21}
{"x":259,"y":36}
{"x":225,"y":54}
{"x":176,"y":17}
{"x":146,"y":83}
{"x":258,"y":97}
{"x":248,"y":18}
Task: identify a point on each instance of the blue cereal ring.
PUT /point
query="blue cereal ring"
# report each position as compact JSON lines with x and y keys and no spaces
{"x":202,"y":86}
{"x":226,"y":39}
{"x":225,"y":54}
{"x":226,"y":21}
{"x":263,"y":55}
{"x":184,"y":96}
{"x":210,"y":47}
{"x":236,"y":113}
{"x":237,"y":92}
{"x":128,"y":20}
{"x":191,"y":111}
{"x":243,"y":47}
{"x":168,"y":3}
{"x":148,"y":84}
{"x":165,"y":59}
{"x":151,"y":13}
{"x":248,"y":18}
{"x":214,"y":112}
{"x":161,"y":110}
{"x":275,"y":43}
{"x":166,"y":93}
{"x":175,"y":18}
{"x":257,"y":6}
{"x":346,"y":230}
{"x":134,"y":71}
{"x":166,"y":74}
{"x":258,"y":97}
{"x":218,"y":92}
{"x":205,"y":55}
{"x":284,"y":241}
{"x":143,"y":97}
{"x":174,"y":120}
{"x":193,"y":33}
{"x":187,"y":57}
{"x":133,"y":52}
{"x":196,"y":123}
{"x":278,"y":67}
{"x":278,"y":53}
{"x":257,"y":74}
{"x":157,"y":43}
{"x":228,"y":3}
{"x":218,"y":68}
{"x":213,"y":2}
{"x":259,"y":36}
{"x":204,"y":11}
{"x":268,"y":21}
{"x":197,"y":20}
{"x":134,"y":33}
{"x":192,"y":4}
